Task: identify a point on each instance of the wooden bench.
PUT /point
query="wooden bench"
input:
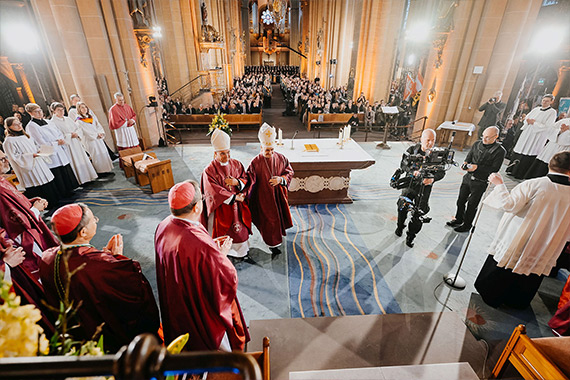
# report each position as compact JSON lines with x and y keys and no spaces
{"x":158,"y":174}
{"x":125,"y":160}
{"x":206,"y":119}
{"x":330,"y":119}
{"x":541,"y":358}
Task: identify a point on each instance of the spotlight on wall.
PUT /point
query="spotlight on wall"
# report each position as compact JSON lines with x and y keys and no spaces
{"x":418,"y":32}
{"x":20,"y":37}
{"x":156,"y":31}
{"x":547,"y":39}
{"x":411,"y":59}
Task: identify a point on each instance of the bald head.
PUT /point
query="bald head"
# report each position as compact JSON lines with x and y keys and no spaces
{"x":428,"y":139}
{"x":490,"y":135}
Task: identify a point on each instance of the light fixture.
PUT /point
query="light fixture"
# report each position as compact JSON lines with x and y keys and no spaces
{"x":411,"y":59}
{"x":267,"y":17}
{"x":419,"y":32}
{"x":156,"y":31}
{"x":20,"y":37}
{"x":547,"y":39}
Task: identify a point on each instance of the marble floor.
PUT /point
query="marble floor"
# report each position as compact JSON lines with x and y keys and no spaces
{"x":411,"y":276}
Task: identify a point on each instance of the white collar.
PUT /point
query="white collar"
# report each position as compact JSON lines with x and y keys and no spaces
{"x":556,"y":173}
{"x":187,"y":220}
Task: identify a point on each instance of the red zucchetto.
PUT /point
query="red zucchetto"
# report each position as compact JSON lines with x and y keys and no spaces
{"x":66,"y":219}
{"x":181,"y":195}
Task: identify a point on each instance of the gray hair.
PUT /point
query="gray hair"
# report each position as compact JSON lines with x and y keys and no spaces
{"x":432,"y":131}
{"x":117,"y":94}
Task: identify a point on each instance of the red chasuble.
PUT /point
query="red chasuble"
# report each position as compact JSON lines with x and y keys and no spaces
{"x":17,"y":219}
{"x":269,"y":204}
{"x":118,"y":115}
{"x":233,"y":219}
{"x":197,"y":287}
{"x":112,"y":290}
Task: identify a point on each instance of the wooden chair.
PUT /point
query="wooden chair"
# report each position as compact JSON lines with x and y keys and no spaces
{"x":158,"y":174}
{"x":262,"y":358}
{"x":535,"y":358}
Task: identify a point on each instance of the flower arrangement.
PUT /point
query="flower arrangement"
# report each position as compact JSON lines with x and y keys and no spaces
{"x":20,"y":334}
{"x":219,"y":123}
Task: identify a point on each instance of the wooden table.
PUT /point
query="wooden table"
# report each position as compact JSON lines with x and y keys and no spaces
{"x":447,"y":127}
{"x":323,"y":176}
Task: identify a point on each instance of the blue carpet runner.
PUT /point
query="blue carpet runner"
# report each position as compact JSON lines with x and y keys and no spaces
{"x":331,"y":271}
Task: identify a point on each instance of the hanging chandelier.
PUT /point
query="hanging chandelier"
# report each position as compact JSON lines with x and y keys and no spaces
{"x":267,"y":17}
{"x":276,"y":13}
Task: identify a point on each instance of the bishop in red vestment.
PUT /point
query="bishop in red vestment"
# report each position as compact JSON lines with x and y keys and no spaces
{"x":226,"y":213}
{"x":197,"y":283}
{"x":110,"y":286}
{"x":269,"y":176}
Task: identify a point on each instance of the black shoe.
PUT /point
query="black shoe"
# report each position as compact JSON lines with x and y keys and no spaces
{"x":410,"y":242}
{"x":454,"y":223}
{"x":462,"y":228}
{"x":399,"y":231}
{"x":275,"y":251}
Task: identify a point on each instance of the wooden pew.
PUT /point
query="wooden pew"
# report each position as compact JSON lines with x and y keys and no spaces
{"x":331,"y":119}
{"x":539,"y":358}
{"x":158,"y":174}
{"x":180,"y":121}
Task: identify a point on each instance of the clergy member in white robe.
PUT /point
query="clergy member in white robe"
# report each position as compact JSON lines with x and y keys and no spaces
{"x":558,"y":141}
{"x":31,"y":169}
{"x":72,"y":112}
{"x":80,"y":163}
{"x":537,"y":127}
{"x":59,"y":162}
{"x":93,"y":135}
{"x":530,"y":236}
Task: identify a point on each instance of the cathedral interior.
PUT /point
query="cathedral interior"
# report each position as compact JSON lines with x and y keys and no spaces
{"x":346,"y":294}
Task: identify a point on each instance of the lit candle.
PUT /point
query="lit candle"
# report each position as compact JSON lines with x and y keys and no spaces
{"x":280,"y":136}
{"x":340,"y":136}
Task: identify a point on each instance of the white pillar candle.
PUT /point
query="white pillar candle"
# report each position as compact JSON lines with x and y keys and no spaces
{"x":345,"y":133}
{"x":280,"y":136}
{"x":340,"y":136}
{"x":349,"y":130}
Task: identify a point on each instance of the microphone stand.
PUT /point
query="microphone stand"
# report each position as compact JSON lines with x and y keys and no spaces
{"x":453,"y":280}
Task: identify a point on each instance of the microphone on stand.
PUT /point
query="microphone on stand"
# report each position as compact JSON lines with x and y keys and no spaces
{"x":451,"y":141}
{"x":293,"y":138}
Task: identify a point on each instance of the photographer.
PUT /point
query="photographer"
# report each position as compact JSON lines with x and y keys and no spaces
{"x":485,"y":157}
{"x":491,"y":109}
{"x":415,"y":196}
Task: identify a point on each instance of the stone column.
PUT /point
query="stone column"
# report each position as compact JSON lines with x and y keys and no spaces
{"x":295,"y":37}
{"x":78,"y":57}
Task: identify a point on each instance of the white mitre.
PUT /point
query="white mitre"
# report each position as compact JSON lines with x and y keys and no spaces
{"x":220,"y":140}
{"x":266,"y":136}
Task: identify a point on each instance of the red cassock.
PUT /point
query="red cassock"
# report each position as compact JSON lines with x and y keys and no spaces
{"x":560,"y":322}
{"x":17,"y":219}
{"x":26,"y":285}
{"x":197,"y":287}
{"x":118,"y":115}
{"x":112,"y":290}
{"x":229,"y":219}
{"x":269,"y":204}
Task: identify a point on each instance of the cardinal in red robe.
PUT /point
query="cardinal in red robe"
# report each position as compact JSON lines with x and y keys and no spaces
{"x":269,"y":175}
{"x":197,"y":283}
{"x":111,"y":287}
{"x":122,"y":120}
{"x":560,"y":322}
{"x":226,"y":213}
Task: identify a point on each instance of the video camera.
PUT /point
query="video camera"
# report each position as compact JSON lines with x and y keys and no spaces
{"x":437,"y":159}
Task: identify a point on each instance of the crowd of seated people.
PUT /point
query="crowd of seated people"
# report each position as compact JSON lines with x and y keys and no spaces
{"x":276,"y":70}
{"x":249,"y":95}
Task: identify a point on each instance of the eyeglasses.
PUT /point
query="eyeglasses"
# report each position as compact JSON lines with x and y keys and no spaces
{"x":4,"y":159}
{"x":96,"y":219}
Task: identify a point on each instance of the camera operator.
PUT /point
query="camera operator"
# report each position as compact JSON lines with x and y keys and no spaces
{"x":491,"y":109}
{"x":418,"y":191}
{"x":485,"y":157}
